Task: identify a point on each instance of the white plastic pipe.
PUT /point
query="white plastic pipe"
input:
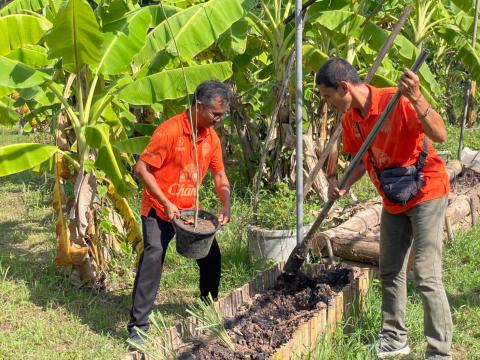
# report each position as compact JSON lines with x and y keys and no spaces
{"x":299,"y":116}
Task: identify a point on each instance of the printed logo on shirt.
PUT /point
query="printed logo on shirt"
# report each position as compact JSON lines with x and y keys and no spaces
{"x":186,"y":182}
{"x":180,"y":145}
{"x":188,"y":174}
{"x":181,"y":190}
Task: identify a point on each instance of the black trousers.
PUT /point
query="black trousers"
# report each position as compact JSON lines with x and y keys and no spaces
{"x":157,"y":234}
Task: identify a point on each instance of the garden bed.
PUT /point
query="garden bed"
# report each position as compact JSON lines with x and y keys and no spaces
{"x":266,"y":321}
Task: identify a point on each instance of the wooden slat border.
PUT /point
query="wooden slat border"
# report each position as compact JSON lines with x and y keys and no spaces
{"x":323,"y":323}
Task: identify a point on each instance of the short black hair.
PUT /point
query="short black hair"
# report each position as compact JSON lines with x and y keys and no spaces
{"x":210,"y":90}
{"x":336,"y":70}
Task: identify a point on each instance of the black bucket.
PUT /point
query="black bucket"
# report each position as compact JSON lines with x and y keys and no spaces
{"x":192,"y":243}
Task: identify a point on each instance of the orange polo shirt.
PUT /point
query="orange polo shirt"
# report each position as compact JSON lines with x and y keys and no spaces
{"x":398,"y":143}
{"x":171,"y":157}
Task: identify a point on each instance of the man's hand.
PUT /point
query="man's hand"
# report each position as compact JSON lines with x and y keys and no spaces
{"x":224,"y":216}
{"x":222,"y":187}
{"x":432,"y":121}
{"x":171,"y":210}
{"x":409,"y":86}
{"x":334,"y":192}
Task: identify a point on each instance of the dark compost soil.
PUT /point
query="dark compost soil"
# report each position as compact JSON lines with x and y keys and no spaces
{"x":465,"y":181}
{"x":269,"y":320}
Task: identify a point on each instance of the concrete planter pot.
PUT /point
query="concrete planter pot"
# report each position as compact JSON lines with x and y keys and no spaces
{"x":266,"y":244}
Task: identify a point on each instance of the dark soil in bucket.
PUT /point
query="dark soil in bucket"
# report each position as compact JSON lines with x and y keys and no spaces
{"x":269,"y":320}
{"x":203,"y":225}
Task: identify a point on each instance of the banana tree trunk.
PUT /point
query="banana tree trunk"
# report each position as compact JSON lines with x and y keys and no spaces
{"x":271,"y":128}
{"x":471,"y":101}
{"x":319,"y":184}
{"x":246,"y":134}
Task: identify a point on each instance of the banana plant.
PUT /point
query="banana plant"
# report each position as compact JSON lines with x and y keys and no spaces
{"x":99,"y":64}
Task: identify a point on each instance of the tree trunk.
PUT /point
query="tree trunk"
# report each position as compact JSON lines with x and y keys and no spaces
{"x":320,"y":184}
{"x":285,"y":140}
{"x":454,"y":168}
{"x":458,"y":210}
{"x":360,"y":248}
{"x":332,"y":162}
{"x":322,"y":158}
{"x":471,"y":102}
{"x":248,"y":138}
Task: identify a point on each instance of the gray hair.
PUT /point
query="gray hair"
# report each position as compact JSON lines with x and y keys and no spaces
{"x":210,"y":90}
{"x":335,"y":71}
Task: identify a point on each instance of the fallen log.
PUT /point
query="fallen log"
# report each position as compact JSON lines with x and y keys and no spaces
{"x":458,"y":210}
{"x":353,"y":239}
{"x":361,"y":248}
{"x":454,"y":168}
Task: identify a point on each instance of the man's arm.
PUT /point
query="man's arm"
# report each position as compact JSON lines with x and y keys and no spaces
{"x":432,"y":122}
{"x":334,"y":192}
{"x":142,"y":169}
{"x":222,"y":187}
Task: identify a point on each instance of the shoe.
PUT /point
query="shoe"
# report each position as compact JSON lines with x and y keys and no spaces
{"x":135,"y":341}
{"x":437,"y":357}
{"x":387,"y":348}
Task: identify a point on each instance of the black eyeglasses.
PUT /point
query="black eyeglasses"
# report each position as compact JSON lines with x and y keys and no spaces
{"x":217,"y":115}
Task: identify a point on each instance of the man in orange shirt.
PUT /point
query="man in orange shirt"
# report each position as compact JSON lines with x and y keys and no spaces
{"x":167,"y":168}
{"x":416,"y":221}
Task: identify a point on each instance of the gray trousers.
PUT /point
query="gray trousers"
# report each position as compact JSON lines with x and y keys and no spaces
{"x":422,"y":228}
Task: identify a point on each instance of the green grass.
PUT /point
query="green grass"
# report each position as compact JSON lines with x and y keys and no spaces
{"x":471,"y":140}
{"x":462,"y":283}
{"x":43,"y":316}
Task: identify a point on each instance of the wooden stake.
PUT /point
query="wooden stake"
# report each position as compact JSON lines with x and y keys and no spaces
{"x":448,"y":227}
{"x":473,"y":212}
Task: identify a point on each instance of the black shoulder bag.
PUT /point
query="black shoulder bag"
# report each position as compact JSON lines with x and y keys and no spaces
{"x":401,"y":184}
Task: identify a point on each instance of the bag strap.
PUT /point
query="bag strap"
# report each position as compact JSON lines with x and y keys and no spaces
{"x":423,"y":154}
{"x":421,"y":158}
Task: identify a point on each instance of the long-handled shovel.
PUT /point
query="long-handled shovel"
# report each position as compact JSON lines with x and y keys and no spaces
{"x":299,"y":253}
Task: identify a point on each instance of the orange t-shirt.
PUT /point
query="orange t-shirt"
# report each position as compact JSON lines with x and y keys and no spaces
{"x":171,"y":157}
{"x":398,"y":143}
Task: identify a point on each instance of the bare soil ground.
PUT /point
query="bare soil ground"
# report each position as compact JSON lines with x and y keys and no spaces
{"x":465,"y":181}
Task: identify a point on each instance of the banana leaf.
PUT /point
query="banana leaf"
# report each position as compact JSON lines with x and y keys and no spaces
{"x":123,"y":39}
{"x":19,"y":30}
{"x":170,"y":84}
{"x":20,"y":157}
{"x":75,"y":36}
{"x":15,"y":75}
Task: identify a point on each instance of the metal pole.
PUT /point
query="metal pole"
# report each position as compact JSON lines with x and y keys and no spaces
{"x":299,"y":116}
{"x":468,"y":86}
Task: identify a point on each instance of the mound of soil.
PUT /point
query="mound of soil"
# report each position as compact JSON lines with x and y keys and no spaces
{"x":271,"y":318}
{"x":465,"y":181}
